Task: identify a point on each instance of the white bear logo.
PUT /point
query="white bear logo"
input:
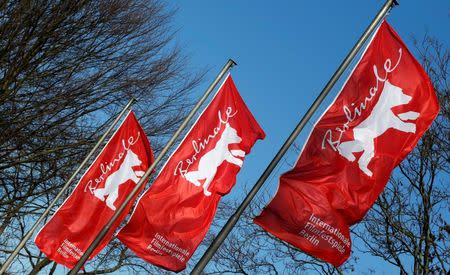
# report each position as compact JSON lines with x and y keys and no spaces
{"x":377,"y":123}
{"x":122,"y":175}
{"x":207,"y":166}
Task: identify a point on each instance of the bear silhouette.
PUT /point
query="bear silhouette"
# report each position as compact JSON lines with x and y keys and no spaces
{"x":210,"y":161}
{"x":377,"y":123}
{"x":122,"y":175}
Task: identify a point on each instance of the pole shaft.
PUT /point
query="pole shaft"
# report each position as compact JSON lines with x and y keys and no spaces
{"x":235,"y":217}
{"x":64,"y":188}
{"x":119,"y":211}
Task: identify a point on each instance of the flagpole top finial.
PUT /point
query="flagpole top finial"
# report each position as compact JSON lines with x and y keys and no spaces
{"x":233,"y":63}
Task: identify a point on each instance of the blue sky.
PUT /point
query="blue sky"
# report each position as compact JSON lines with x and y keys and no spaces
{"x":286,"y":51}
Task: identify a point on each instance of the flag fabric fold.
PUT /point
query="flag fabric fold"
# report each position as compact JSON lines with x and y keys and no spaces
{"x":99,"y":192}
{"x":378,"y":117}
{"x":172,"y":217}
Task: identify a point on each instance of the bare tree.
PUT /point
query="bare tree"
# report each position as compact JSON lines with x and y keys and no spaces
{"x":66,"y":67}
{"x":408,"y":226}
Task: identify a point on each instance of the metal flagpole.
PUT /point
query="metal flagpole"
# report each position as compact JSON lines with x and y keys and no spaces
{"x":235,"y":217}
{"x":119,"y":211}
{"x":64,"y":188}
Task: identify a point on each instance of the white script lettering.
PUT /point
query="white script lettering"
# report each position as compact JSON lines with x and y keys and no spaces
{"x":107,"y":167}
{"x":200,"y":144}
{"x":333,"y":137}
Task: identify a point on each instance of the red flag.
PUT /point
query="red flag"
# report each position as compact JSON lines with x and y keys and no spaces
{"x":173,"y":216}
{"x":385,"y":106}
{"x":101,"y":190}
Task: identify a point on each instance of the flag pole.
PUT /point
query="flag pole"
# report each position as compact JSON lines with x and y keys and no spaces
{"x":235,"y":217}
{"x":142,"y":181}
{"x":22,"y":243}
